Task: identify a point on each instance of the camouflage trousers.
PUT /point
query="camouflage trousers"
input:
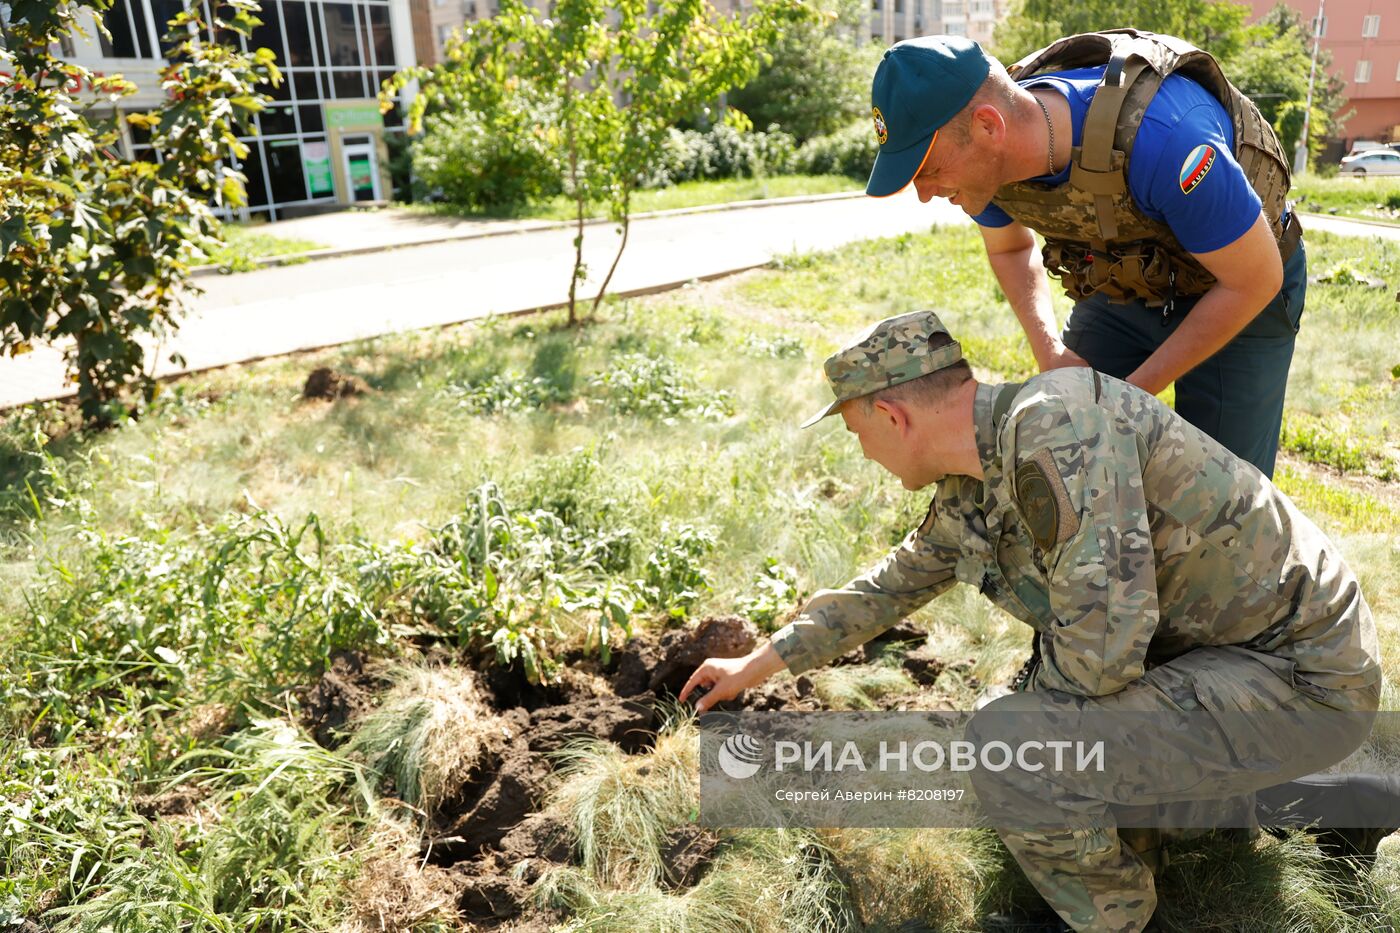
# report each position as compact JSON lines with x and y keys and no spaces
{"x":1187,"y":745}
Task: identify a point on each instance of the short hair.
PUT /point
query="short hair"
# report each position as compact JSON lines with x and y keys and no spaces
{"x":996,"y":89}
{"x":927,"y":390}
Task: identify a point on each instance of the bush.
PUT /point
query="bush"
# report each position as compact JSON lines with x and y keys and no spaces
{"x":462,"y":160}
{"x":849,"y":152}
{"x":722,"y":152}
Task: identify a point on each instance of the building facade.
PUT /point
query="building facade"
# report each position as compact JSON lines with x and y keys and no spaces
{"x":322,"y":141}
{"x":1364,"y":39}
{"x":893,"y":21}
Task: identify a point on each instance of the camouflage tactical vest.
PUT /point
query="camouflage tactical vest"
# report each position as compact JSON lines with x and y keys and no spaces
{"x":1096,"y":238}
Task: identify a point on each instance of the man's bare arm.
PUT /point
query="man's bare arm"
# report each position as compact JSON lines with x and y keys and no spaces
{"x":1015,"y":261}
{"x":1249,"y":273}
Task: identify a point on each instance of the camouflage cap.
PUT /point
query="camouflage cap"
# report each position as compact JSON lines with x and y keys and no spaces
{"x":893,"y":351}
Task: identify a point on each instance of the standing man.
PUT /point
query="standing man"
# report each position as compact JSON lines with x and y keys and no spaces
{"x":1159,"y":191}
{"x":1158,"y":573}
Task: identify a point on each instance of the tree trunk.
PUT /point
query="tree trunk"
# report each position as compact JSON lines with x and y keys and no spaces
{"x":579,"y":200}
{"x":626,"y":227}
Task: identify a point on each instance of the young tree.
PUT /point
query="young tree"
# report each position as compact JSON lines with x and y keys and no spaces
{"x":603,"y":82}
{"x":818,"y":81}
{"x":95,"y":251}
{"x":1273,"y":70}
{"x":1218,"y":26}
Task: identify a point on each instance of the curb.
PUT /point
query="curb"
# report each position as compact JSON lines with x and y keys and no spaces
{"x":1351,"y":220}
{"x":522,"y":228}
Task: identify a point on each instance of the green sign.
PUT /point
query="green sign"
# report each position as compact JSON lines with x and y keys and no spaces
{"x":316,"y":163}
{"x":353,"y":115}
{"x":361,"y":173}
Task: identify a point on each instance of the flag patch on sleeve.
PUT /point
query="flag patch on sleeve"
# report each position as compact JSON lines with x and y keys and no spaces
{"x":1194,"y":169}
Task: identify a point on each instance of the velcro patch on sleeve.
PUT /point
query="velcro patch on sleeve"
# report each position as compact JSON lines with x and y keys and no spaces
{"x":1044,"y":501}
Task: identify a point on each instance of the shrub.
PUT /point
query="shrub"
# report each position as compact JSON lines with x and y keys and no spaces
{"x":470,"y":162}
{"x":722,"y":152}
{"x":849,"y":152}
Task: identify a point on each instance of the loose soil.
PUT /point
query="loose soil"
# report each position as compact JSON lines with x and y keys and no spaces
{"x":492,"y":839}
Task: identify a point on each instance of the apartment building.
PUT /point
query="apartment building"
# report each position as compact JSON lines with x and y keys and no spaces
{"x":321,"y":142}
{"x":1364,"y":39}
{"x":894,"y":20}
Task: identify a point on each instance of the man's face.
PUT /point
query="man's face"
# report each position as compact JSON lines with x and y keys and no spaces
{"x":966,"y":173}
{"x":883,"y":438}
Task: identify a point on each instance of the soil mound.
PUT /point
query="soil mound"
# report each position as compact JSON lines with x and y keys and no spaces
{"x":326,"y":383}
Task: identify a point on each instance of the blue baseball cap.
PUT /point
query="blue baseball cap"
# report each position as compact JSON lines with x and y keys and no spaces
{"x":920,"y":85}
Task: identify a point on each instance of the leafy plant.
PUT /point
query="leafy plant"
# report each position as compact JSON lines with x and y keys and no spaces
{"x":640,"y":384}
{"x":674,"y":578}
{"x":93,"y":249}
{"x":772,"y":593}
{"x":510,"y":391}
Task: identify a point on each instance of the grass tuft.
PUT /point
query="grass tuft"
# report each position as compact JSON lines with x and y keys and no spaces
{"x":429,"y":734}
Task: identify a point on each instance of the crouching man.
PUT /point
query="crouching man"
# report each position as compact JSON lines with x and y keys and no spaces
{"x":1160,"y":572}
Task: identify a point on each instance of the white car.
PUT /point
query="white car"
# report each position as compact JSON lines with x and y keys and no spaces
{"x":1372,"y":162}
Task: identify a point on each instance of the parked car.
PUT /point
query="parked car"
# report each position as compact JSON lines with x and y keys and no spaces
{"x":1372,"y":162}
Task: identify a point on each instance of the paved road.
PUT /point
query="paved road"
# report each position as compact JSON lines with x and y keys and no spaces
{"x":282,"y":310}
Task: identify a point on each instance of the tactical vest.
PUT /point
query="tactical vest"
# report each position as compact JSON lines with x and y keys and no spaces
{"x":1096,"y":238}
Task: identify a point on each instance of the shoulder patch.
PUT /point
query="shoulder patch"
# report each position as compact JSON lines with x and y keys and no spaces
{"x":1194,"y":168}
{"x":1044,"y":501}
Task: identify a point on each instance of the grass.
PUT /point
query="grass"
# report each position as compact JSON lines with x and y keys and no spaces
{"x":428,"y":734}
{"x":686,"y":194}
{"x":1368,"y":198}
{"x":168,"y":585}
{"x":244,"y":244}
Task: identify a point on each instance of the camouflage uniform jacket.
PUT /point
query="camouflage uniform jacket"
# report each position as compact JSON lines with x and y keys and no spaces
{"x":1120,"y":533}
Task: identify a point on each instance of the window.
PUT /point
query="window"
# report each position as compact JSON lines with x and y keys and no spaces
{"x":875,"y":4}
{"x":129,"y":23}
{"x":299,"y":41}
{"x":444,"y":32}
{"x":381,"y":39}
{"x":269,"y":34}
{"x":341,"y":35}
{"x":1363,"y":72}
{"x":956,"y":29}
{"x":899,"y":6}
{"x":1370,"y":26}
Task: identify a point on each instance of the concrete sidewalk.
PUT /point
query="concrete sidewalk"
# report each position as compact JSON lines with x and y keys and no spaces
{"x":458,"y":273}
{"x":357,"y":230}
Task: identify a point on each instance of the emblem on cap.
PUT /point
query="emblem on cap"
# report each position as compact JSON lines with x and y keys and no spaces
{"x":882,"y":132}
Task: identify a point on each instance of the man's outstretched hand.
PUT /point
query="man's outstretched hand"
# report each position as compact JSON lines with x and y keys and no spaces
{"x":726,"y":678}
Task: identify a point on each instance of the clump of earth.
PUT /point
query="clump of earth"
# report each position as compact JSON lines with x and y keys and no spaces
{"x":325,"y":383}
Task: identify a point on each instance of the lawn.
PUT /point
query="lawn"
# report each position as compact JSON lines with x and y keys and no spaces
{"x":244,"y":243}
{"x":1366,"y":198}
{"x":178,"y":588}
{"x":685,"y":194}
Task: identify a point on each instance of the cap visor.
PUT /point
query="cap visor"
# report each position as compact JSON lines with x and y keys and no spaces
{"x":828,"y":410}
{"x":894,"y":171}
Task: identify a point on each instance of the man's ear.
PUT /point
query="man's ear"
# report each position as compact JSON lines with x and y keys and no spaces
{"x":988,"y":124}
{"x":894,"y":414}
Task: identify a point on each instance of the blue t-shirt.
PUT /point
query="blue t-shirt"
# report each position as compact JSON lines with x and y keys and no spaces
{"x":1182,"y":171}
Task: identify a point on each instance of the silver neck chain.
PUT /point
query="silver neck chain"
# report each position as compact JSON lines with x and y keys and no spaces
{"x":1049,"y":126}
